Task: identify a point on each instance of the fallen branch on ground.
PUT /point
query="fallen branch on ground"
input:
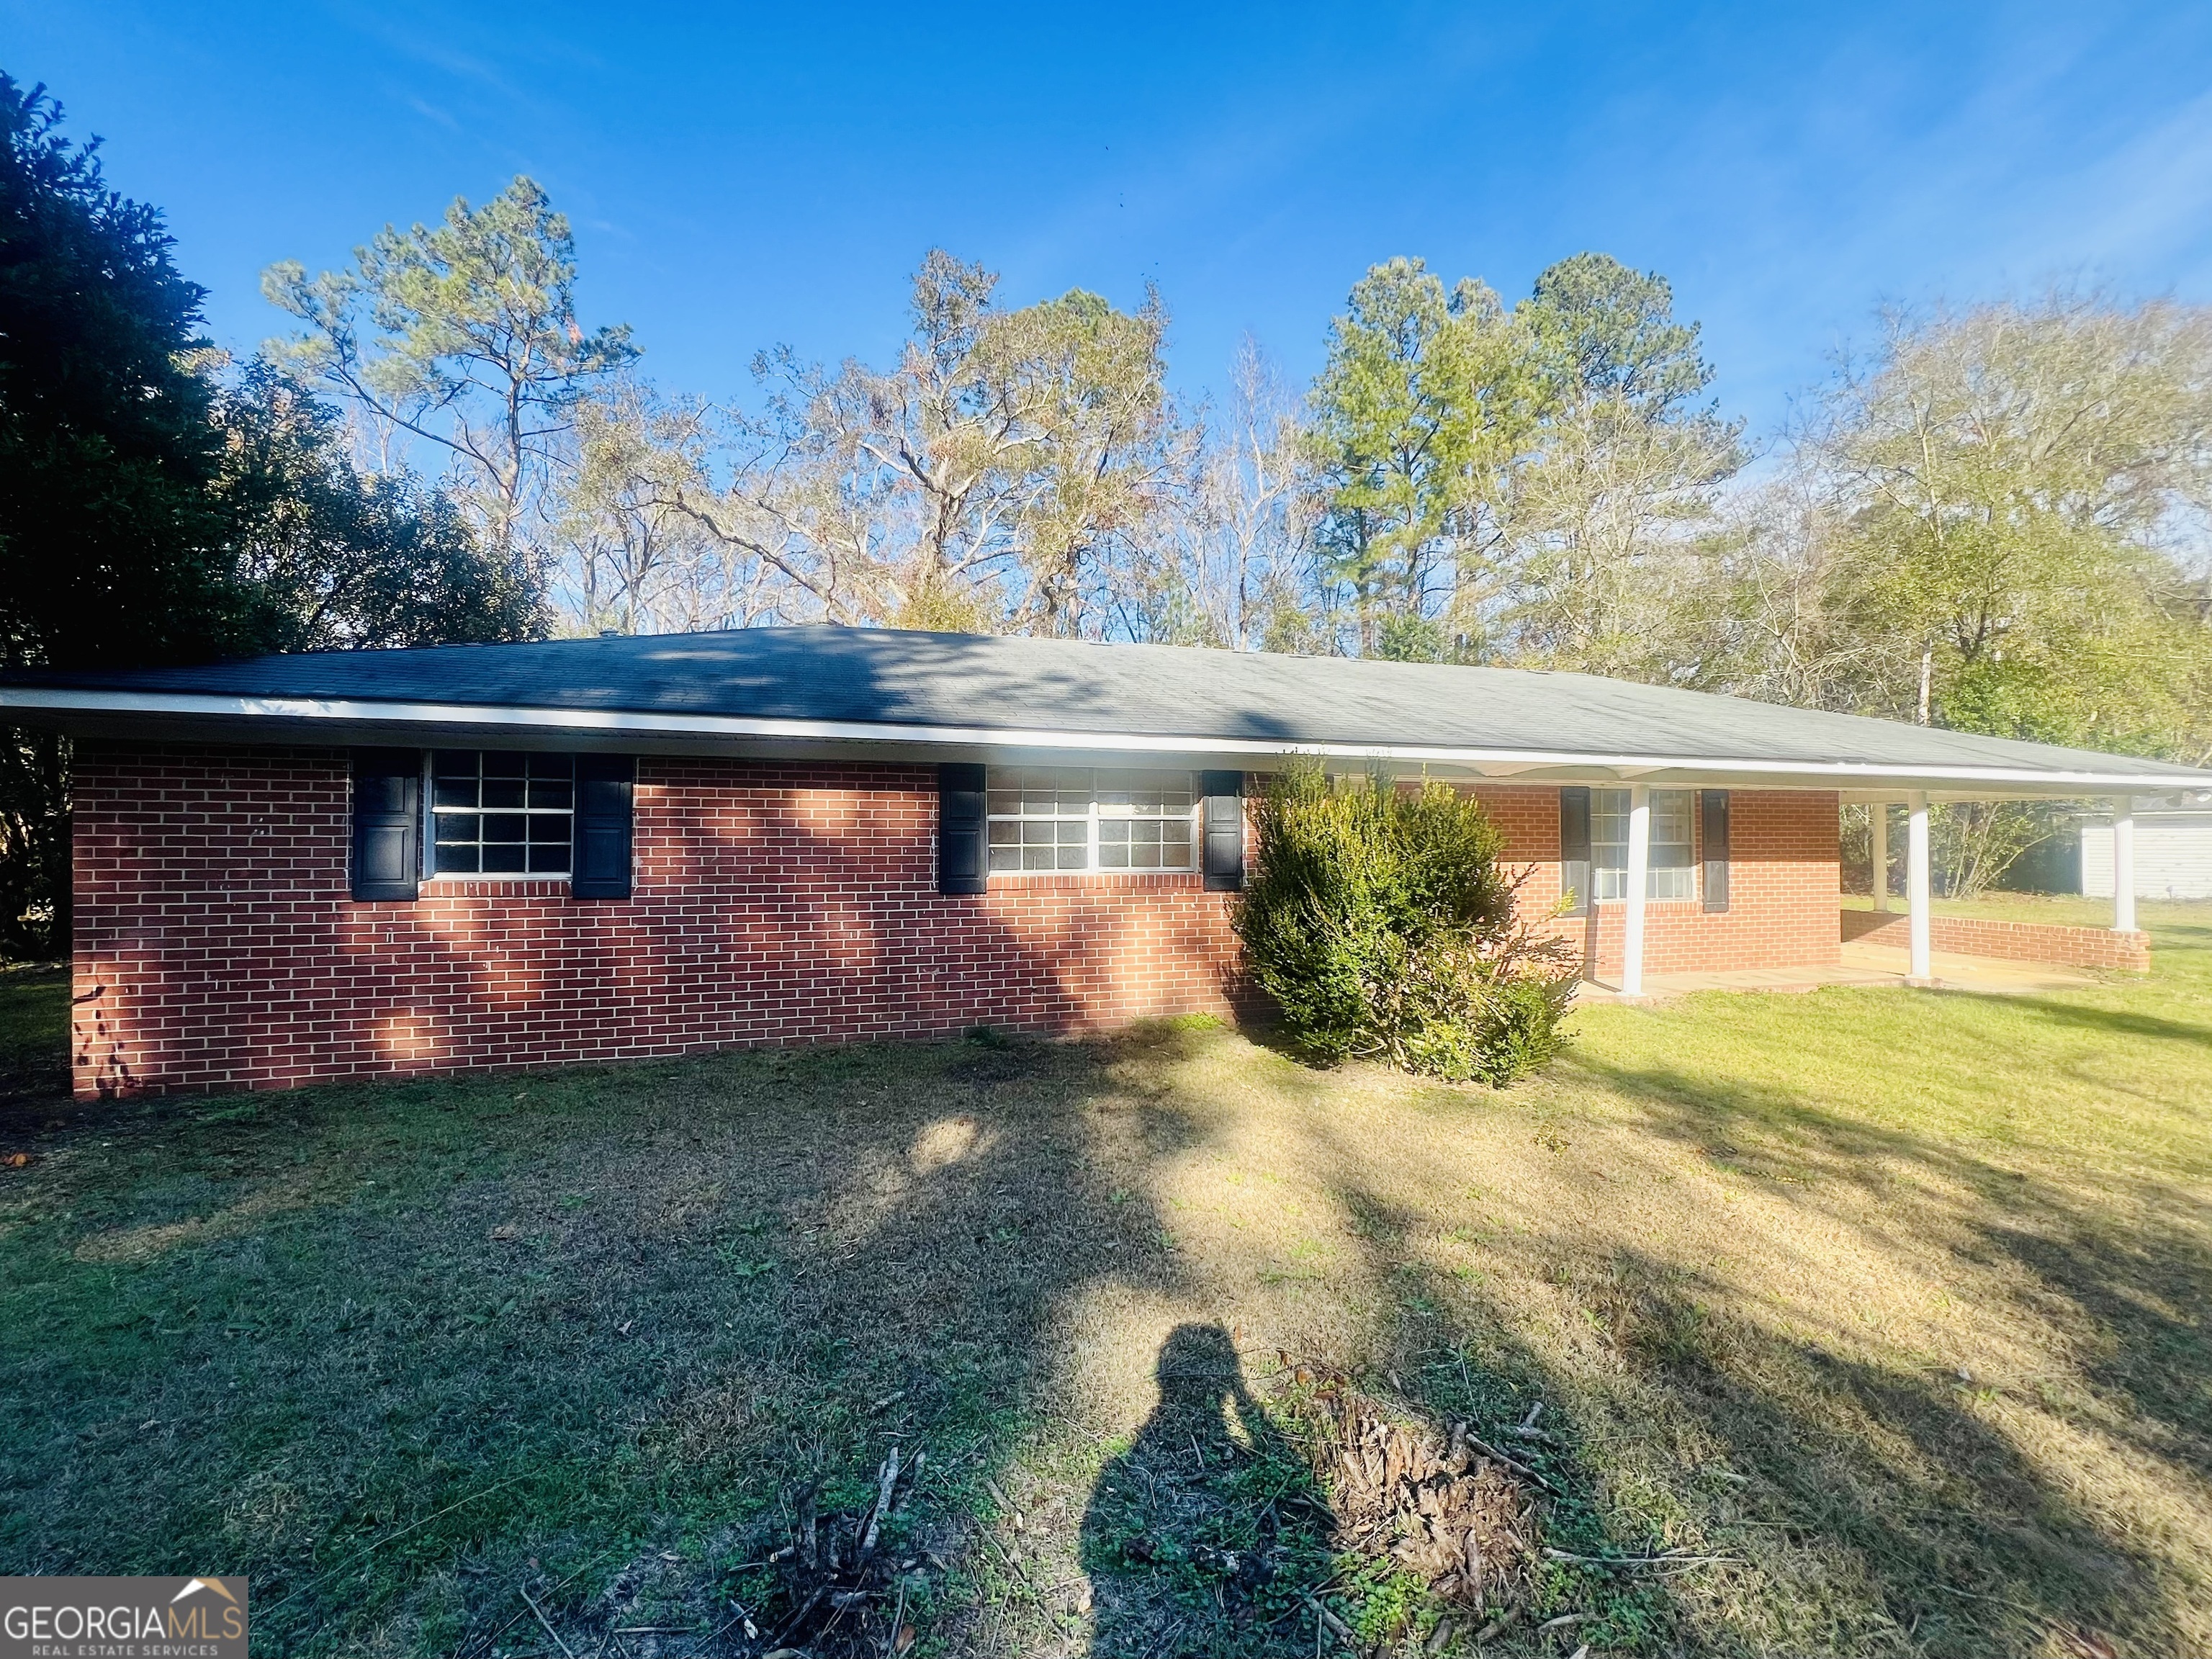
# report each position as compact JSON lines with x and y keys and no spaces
{"x":548,"y":1623}
{"x":835,"y":1579}
{"x":1669,"y":1560}
{"x":1007,"y":1556}
{"x":1510,"y":1461}
{"x":1497,"y":1627}
{"x":1338,"y":1628}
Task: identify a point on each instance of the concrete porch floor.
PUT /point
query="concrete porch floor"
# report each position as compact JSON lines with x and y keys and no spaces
{"x":1862,"y":963}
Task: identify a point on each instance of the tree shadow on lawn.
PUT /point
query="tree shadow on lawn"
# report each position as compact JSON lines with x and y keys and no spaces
{"x":1918,"y":1469}
{"x":2118,"y":1022}
{"x":445,"y":1356}
{"x":1877,"y":1504}
{"x":1441,"y":1354}
{"x":401,"y":1353}
{"x":595,"y":1335}
{"x":33,"y":1041}
{"x":420,"y":1346}
{"x":1773,"y":1459}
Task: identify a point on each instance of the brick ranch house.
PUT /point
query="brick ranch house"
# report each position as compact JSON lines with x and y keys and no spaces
{"x":303,"y":868}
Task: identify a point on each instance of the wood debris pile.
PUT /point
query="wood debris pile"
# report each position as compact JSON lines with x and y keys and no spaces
{"x":838,"y":1595}
{"x":1447,"y":1507}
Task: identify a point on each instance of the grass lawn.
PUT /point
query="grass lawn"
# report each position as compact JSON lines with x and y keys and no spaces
{"x":1893,"y":1301}
{"x":34,"y":1031}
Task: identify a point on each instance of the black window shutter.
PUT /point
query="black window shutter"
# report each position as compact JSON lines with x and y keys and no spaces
{"x":1713,"y":805}
{"x":387,"y":823}
{"x":1223,"y":826}
{"x":605,"y":786}
{"x":964,"y":857}
{"x":1574,"y":846}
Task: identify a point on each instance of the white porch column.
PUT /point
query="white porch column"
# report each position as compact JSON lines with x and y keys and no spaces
{"x":1879,"y":815}
{"x":1639,"y":881}
{"x":1916,"y":882}
{"x":2124,"y":865}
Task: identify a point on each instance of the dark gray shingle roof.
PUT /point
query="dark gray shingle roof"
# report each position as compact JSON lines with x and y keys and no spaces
{"x":880,"y":677}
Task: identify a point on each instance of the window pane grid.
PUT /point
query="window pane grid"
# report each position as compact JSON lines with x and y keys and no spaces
{"x":1671,"y":876}
{"x":1673,"y":872}
{"x":1075,"y":819}
{"x":498,"y":813}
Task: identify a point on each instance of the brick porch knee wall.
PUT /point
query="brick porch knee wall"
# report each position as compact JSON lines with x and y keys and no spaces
{"x":216,"y":947}
{"x":2011,"y":941}
{"x":1783,"y":892}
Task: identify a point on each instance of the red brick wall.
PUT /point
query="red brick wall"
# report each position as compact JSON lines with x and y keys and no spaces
{"x":216,"y":947}
{"x":1783,"y":894}
{"x":2013,"y":941}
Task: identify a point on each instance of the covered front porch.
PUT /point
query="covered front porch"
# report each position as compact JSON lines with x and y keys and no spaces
{"x":1900,"y":943}
{"x":1922,"y":934}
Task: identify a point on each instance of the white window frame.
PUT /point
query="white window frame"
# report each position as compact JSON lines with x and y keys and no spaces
{"x":429,"y":835}
{"x":1092,"y":819}
{"x":1661,"y":882}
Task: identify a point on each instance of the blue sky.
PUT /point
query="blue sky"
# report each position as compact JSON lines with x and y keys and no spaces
{"x":772,"y":175}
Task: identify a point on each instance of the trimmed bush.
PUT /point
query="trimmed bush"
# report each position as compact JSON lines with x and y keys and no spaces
{"x":1382,"y":924}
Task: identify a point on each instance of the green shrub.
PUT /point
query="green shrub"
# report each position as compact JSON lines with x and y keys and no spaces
{"x":1382,"y":924}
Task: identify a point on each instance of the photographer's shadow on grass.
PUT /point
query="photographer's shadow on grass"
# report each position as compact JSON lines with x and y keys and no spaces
{"x":1207,"y":1533}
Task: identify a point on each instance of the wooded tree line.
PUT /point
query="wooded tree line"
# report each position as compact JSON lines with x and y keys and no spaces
{"x":1993,"y":519}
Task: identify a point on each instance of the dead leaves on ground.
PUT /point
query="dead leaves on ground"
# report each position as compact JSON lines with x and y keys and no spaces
{"x":1463,"y":1523}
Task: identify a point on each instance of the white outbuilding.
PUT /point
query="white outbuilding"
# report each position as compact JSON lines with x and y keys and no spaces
{"x":2172,"y":848}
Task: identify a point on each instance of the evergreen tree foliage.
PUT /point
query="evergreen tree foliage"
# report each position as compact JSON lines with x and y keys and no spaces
{"x":1382,"y":924}
{"x":150,"y":514}
{"x":113,"y":544}
{"x":335,"y":558}
{"x":463,"y":336}
{"x":1524,"y":484}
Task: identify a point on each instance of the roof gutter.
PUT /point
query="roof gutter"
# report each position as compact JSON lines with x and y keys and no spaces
{"x":622,"y":722}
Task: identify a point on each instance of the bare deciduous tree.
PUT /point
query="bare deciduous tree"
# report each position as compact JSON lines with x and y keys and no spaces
{"x":633,"y":558}
{"x":978,"y":483}
{"x":1227,"y":556}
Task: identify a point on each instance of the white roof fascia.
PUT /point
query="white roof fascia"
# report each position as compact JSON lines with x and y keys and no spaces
{"x":1877,"y":777}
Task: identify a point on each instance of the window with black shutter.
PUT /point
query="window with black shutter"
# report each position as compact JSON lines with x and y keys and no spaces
{"x":502,"y":812}
{"x":1713,"y":808}
{"x":387,"y":823}
{"x":1574,"y":849}
{"x":1670,"y":868}
{"x":1065,"y":820}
